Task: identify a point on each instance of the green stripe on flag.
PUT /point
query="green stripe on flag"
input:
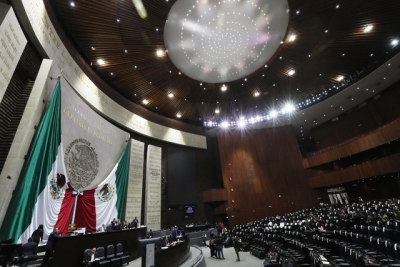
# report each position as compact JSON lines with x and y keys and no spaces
{"x":121,"y":181}
{"x":33,"y":177}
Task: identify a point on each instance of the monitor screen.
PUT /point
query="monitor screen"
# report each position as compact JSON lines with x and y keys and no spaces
{"x":189,"y":210}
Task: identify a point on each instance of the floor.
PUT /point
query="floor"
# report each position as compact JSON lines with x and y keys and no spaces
{"x":230,"y":259}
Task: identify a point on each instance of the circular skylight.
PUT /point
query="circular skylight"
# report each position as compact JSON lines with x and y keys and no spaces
{"x":220,"y":41}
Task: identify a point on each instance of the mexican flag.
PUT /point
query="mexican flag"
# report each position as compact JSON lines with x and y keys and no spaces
{"x":108,"y":200}
{"x":41,"y":192}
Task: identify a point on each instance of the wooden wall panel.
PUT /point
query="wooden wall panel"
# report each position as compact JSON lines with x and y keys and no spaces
{"x":368,"y":169}
{"x":213,"y":195}
{"x":382,"y":135}
{"x":388,"y":105}
{"x":263,"y":173}
{"x":348,"y":126}
{"x":375,"y":114}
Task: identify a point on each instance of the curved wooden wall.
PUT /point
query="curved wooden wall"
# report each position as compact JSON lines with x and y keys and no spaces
{"x":263,"y":173}
{"x":387,"y":133}
{"x":368,"y":169}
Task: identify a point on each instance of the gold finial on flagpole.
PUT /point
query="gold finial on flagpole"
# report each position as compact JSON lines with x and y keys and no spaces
{"x":59,"y":76}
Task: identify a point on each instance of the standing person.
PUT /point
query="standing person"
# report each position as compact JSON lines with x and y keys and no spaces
{"x":174,"y":233}
{"x":213,"y":250}
{"x":236,"y":246}
{"x":204,"y":238}
{"x":219,"y":229}
{"x":50,"y":246}
{"x":37,"y":235}
{"x":135,"y":223}
{"x":220,"y":248}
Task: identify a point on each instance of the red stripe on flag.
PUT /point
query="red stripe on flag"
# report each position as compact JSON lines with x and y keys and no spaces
{"x":85,"y":215}
{"x":65,"y":212}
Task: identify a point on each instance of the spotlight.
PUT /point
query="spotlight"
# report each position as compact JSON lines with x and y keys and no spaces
{"x":395,"y":42}
{"x":170,"y":95}
{"x":292,"y":37}
{"x":178,"y":115}
{"x":101,"y":62}
{"x":368,"y":28}
{"x":291,"y":72}
{"x":225,"y":124}
{"x":273,"y":114}
{"x":339,"y":78}
{"x":160,"y":53}
{"x":256,"y":94}
{"x":145,"y":101}
{"x":217,"y":111}
{"x":289,"y":107}
{"x":241,"y":123}
{"x":223,"y":88}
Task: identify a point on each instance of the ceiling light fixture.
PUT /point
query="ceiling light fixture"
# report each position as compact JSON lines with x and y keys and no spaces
{"x":241,"y":123}
{"x":101,"y":62}
{"x":140,"y":8}
{"x":178,"y":115}
{"x":273,"y":114}
{"x":292,"y":37}
{"x":160,"y":53}
{"x":72,"y":4}
{"x":224,"y":124}
{"x":223,"y":88}
{"x":291,"y":72}
{"x":145,"y":101}
{"x":395,"y":42}
{"x":256,"y":94}
{"x":217,"y":111}
{"x":170,"y":95}
{"x":368,"y":28}
{"x":339,"y":78}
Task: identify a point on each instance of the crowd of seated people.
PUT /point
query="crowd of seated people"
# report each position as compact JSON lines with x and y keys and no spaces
{"x":370,"y":230}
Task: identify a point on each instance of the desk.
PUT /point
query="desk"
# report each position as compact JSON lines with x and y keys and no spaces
{"x":173,"y":256}
{"x":69,"y":250}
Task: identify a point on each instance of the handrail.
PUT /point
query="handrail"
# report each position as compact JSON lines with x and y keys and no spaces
{"x":195,"y":260}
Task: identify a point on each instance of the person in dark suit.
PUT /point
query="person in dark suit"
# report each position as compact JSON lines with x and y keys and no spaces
{"x":174,"y":233}
{"x":37,"y":235}
{"x":28,"y":252}
{"x":50,"y":246}
{"x":135,"y":223}
{"x":151,"y":234}
{"x":90,"y":258}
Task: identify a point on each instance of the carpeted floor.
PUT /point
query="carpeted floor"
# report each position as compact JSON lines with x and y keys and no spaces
{"x":230,"y":259}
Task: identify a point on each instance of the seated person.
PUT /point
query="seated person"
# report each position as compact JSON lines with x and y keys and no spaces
{"x":90,"y":258}
{"x":272,"y":258}
{"x":150,"y":234}
{"x":28,"y":252}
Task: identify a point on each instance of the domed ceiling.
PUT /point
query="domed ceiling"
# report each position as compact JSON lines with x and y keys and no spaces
{"x":211,"y":61}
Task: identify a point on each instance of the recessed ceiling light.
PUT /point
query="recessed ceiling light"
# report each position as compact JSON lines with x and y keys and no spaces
{"x":337,"y":6}
{"x":273,"y":114}
{"x":291,"y":72}
{"x":178,"y":115}
{"x":112,"y":73}
{"x":145,"y":101}
{"x":117,"y":20}
{"x":368,"y":28}
{"x":93,"y":48}
{"x":339,"y":78}
{"x":72,"y":4}
{"x":256,"y":94}
{"x":160,"y":53}
{"x":170,"y":95}
{"x":395,"y":42}
{"x":292,"y":37}
{"x":298,"y":11}
{"x":100,"y":61}
{"x":217,"y":111}
{"x":223,"y":88}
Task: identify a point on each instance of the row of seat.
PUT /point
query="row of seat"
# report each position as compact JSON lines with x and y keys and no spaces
{"x":113,"y":256}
